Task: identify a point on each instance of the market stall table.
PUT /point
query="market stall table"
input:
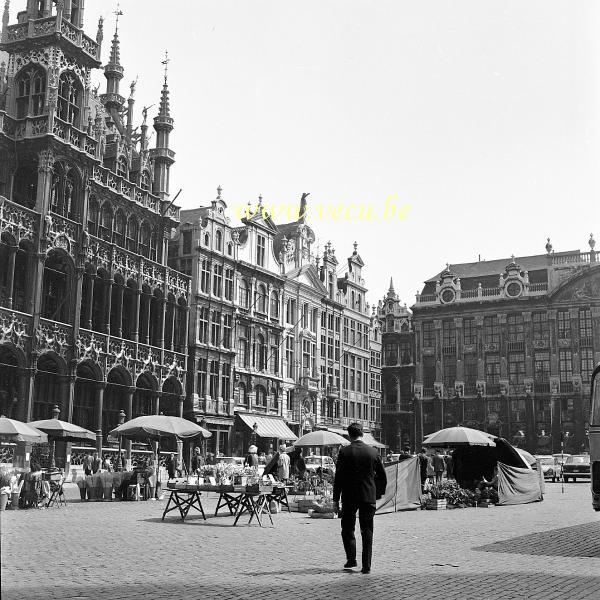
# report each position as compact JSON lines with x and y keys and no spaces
{"x":254,"y":503}
{"x":279,"y":495}
{"x":231,"y":501}
{"x":184,"y":499}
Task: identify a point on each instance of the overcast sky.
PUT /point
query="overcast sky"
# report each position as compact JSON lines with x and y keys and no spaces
{"x":479,"y":118}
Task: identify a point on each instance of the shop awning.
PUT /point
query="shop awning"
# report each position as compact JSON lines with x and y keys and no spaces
{"x":269,"y":427}
{"x":371,"y":441}
{"x":338,"y":430}
{"x":218,"y":421}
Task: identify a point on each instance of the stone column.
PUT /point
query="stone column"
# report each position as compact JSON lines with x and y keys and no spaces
{"x":128,"y":413}
{"x":71,"y":395}
{"x":171,"y":325}
{"x":99,"y":409}
{"x":107,"y":304}
{"x":118,"y":326}
{"x":145,"y":334}
{"x":161,"y":327}
{"x":135,"y":312}
{"x":12,"y":254}
{"x":90,"y":300}
{"x":156,"y":401}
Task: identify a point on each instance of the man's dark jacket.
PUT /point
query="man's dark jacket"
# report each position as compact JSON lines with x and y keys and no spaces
{"x":360,"y":476}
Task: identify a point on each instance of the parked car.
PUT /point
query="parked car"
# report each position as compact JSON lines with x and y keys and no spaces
{"x":577,"y":466}
{"x":551,"y":468}
{"x":325,"y":463}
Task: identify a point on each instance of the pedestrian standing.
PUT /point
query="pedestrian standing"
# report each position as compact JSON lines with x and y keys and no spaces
{"x":283,"y":465}
{"x":171,"y":466}
{"x":423,"y":462}
{"x":449,"y":465}
{"x":87,"y":464}
{"x":438,"y":464}
{"x":197,"y":460}
{"x":251,"y":459}
{"x":360,"y":480}
{"x":96,"y":463}
{"x":107,"y":464}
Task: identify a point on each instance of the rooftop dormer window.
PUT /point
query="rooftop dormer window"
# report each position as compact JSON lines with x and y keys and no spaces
{"x":260,"y":250}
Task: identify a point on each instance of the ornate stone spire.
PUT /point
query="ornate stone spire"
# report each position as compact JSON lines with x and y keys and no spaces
{"x":5,"y":18}
{"x":391,"y":290}
{"x":113,"y":71}
{"x":100,"y":32}
{"x":164,"y":109}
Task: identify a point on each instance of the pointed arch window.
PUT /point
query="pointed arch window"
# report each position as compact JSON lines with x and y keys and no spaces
{"x":132,"y":234}
{"x":93,"y":216}
{"x":69,"y":98}
{"x":64,"y":192}
{"x":122,"y":166}
{"x":105,"y":224}
{"x":31,"y":92}
{"x":144,"y":249}
{"x":120,"y":227}
{"x":145,"y":181}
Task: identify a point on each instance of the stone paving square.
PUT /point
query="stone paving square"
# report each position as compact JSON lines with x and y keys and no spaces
{"x":122,"y":550}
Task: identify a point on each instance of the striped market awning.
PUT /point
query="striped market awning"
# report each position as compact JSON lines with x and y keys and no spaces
{"x":269,"y":427}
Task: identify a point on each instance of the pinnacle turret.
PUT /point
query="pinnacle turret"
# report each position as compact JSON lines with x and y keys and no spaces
{"x":113,"y":71}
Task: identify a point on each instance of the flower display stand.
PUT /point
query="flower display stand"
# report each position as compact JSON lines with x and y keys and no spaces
{"x":436,"y":504}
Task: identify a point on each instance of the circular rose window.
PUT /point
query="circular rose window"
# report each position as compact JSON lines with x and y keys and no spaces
{"x":514,"y":289}
{"x":448,"y":296}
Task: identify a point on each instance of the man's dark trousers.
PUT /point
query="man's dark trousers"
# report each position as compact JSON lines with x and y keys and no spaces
{"x":366,"y":512}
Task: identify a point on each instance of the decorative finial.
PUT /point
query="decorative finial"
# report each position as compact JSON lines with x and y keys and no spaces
{"x":260,"y":199}
{"x":118,"y":13}
{"x":219,"y":190}
{"x":548,"y":247}
{"x":592,"y":241}
{"x":166,"y":63}
{"x":447,"y":266}
{"x":355,"y":247}
{"x":512,"y":258}
{"x":391,"y":285}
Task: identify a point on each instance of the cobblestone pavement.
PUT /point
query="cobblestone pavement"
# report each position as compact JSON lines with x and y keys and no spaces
{"x":122,"y":550}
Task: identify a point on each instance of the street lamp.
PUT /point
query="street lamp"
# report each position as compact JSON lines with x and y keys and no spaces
{"x":55,"y":413}
{"x":119,"y":461}
{"x":253,"y":436}
{"x":203,"y":442}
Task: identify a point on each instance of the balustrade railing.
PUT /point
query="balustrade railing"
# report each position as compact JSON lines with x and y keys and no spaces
{"x":49,"y":26}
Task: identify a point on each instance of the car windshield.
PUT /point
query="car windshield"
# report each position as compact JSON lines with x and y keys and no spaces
{"x":577,"y":459}
{"x":547,"y":461}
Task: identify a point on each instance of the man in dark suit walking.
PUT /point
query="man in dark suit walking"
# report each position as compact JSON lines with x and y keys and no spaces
{"x":360,"y":480}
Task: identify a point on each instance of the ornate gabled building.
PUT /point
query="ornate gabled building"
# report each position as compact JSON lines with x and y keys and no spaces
{"x":91,"y":320}
{"x":398,"y":422}
{"x":288,"y":310}
{"x":508,"y":346}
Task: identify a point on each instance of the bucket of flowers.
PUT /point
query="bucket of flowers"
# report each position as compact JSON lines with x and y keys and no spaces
{"x":437,"y":497}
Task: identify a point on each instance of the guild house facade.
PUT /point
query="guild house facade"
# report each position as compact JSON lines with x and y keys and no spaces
{"x":93,"y":324}
{"x":279,"y":338}
{"x":507,"y":346}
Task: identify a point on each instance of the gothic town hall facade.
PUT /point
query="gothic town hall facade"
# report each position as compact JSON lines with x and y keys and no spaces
{"x":92,"y":321}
